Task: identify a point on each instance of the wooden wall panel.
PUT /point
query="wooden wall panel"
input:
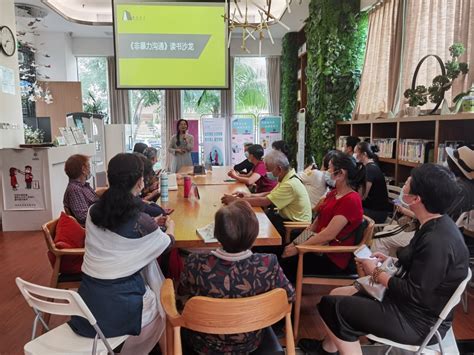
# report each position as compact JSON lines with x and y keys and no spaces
{"x":67,"y":98}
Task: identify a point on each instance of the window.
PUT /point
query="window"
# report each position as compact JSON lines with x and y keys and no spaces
{"x":146,"y":114}
{"x":250,"y":85}
{"x":92,"y":73}
{"x":200,"y":102}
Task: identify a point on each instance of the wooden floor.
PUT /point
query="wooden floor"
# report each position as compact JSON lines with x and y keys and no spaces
{"x":24,"y":254}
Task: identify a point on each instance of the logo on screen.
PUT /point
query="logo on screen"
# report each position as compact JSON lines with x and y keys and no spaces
{"x":127,"y":16}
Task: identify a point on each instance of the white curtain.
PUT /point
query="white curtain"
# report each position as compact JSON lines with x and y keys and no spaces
{"x":118,"y":99}
{"x":172,"y":114}
{"x":273,"y":84}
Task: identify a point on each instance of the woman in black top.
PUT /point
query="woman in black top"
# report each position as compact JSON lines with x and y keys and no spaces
{"x":375,"y":198}
{"x":435,"y":261}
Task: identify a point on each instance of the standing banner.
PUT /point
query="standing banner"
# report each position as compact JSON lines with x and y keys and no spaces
{"x":213,"y":131}
{"x":23,"y":183}
{"x":243,"y":131}
{"x":269,"y":128}
{"x":301,"y":139}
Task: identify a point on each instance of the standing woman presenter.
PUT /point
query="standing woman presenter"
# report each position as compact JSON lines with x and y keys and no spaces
{"x":180,"y":147}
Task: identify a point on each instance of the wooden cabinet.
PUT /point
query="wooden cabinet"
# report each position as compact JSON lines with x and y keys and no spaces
{"x":437,"y":131}
{"x":67,"y":98}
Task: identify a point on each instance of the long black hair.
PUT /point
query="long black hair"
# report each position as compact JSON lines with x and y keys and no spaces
{"x":370,"y":150}
{"x":118,"y":205}
{"x":178,"y":135}
{"x":355,"y":171}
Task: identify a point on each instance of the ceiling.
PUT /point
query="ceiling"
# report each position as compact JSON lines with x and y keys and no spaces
{"x":100,"y":10}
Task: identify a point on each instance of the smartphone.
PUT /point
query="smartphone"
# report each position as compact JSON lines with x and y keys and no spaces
{"x":396,"y":202}
{"x":315,"y":166}
{"x":363,"y":252}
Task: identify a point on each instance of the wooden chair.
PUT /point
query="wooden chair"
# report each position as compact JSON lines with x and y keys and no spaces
{"x":58,"y":280}
{"x":224,"y":316}
{"x":327,"y":280}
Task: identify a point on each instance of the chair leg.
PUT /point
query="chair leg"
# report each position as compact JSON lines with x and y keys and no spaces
{"x":388,"y":350}
{"x":440,"y":342}
{"x":299,"y":289}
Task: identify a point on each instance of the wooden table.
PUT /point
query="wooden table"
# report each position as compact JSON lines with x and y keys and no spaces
{"x":190,"y":213}
{"x":217,"y":176}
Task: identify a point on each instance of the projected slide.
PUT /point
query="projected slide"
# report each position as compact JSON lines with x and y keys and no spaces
{"x":170,"y":45}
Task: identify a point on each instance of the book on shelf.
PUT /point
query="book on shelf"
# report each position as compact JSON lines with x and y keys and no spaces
{"x":386,"y":147}
{"x":416,"y":150}
{"x":207,"y":233}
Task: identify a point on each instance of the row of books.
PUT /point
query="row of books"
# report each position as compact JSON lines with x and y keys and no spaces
{"x":416,"y":150}
{"x":387,"y":147}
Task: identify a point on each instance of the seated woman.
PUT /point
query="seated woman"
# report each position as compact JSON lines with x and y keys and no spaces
{"x":375,"y":198}
{"x":435,"y":262}
{"x":316,"y":181}
{"x":245,"y":166}
{"x":338,"y":216}
{"x":220,"y":272}
{"x":121,"y":279}
{"x":258,"y":174}
{"x":79,"y":195}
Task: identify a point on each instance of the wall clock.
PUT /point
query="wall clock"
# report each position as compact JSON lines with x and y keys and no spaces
{"x":7,"y":41}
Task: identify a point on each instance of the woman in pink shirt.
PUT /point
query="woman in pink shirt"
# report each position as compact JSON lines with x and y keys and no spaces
{"x":258,"y":175}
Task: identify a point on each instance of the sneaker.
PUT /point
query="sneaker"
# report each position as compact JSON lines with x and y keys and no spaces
{"x":313,"y":346}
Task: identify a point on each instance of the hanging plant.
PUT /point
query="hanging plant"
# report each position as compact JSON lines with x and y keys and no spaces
{"x":289,"y":90}
{"x":336,"y":34}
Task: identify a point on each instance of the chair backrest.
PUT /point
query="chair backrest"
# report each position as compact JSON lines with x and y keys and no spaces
{"x":456,"y":297}
{"x":368,"y":232}
{"x":49,"y":232}
{"x":226,"y":315}
{"x":73,"y":305}
{"x":393,"y":191}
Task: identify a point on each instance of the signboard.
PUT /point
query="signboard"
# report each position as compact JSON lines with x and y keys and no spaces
{"x":243,"y":131}
{"x":23,"y":183}
{"x":269,"y":128}
{"x":213,"y":131}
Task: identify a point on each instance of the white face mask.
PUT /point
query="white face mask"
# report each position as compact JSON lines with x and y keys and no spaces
{"x":246,"y":154}
{"x":271,"y":176}
{"x":402,"y":202}
{"x":329,"y":180}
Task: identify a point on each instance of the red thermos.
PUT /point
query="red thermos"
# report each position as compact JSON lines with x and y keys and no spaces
{"x":187,"y":186}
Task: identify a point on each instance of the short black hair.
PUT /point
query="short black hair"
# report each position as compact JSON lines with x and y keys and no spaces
{"x":352,"y":141}
{"x":436,"y":186}
{"x":256,"y":150}
{"x":139,"y":147}
{"x":282,"y":147}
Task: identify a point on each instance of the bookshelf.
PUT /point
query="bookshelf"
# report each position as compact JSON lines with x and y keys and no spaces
{"x":433,"y":132}
{"x":302,"y":64}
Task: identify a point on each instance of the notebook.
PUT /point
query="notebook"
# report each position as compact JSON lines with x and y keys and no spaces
{"x":207,"y":233}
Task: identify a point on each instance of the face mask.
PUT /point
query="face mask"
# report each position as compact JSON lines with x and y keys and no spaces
{"x":402,"y":202}
{"x":271,"y":176}
{"x":157,"y":166}
{"x":246,"y":154}
{"x":329,"y":180}
{"x":355,"y":157}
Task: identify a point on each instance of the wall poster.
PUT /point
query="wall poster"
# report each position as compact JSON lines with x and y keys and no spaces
{"x":213,"y":131}
{"x":243,"y":131}
{"x":269,"y":128}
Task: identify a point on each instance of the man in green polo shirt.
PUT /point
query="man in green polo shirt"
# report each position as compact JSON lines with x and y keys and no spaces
{"x":289,"y":196}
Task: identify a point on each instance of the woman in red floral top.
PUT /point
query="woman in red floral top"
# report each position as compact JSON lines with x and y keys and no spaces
{"x":232,"y":271}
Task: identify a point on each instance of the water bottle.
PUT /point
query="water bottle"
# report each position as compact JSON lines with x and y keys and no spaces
{"x":187,"y":186}
{"x":164,"y":186}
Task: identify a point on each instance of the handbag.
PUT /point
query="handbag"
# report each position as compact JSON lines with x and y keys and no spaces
{"x":375,"y":290}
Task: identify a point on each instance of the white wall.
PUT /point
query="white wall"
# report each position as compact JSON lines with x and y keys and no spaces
{"x":58,"y":45}
{"x":10,"y":105}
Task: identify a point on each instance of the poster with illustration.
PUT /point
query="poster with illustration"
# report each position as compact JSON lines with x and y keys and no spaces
{"x":23,"y":184}
{"x":213,"y":130}
{"x":270,"y":131}
{"x":242,"y":132}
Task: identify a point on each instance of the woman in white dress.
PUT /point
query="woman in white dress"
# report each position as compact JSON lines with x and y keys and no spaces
{"x":180,"y":147}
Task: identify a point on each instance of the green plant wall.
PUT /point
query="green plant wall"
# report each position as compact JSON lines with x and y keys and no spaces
{"x":289,"y":90}
{"x":336,"y":34}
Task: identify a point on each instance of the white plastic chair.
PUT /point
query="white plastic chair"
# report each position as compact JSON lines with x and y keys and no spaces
{"x":393,"y":194}
{"x":466,"y":222}
{"x":62,"y":340}
{"x":442,"y":343}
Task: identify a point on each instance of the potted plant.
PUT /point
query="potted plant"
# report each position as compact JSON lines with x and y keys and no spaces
{"x":450,"y":70}
{"x":416,"y":97}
